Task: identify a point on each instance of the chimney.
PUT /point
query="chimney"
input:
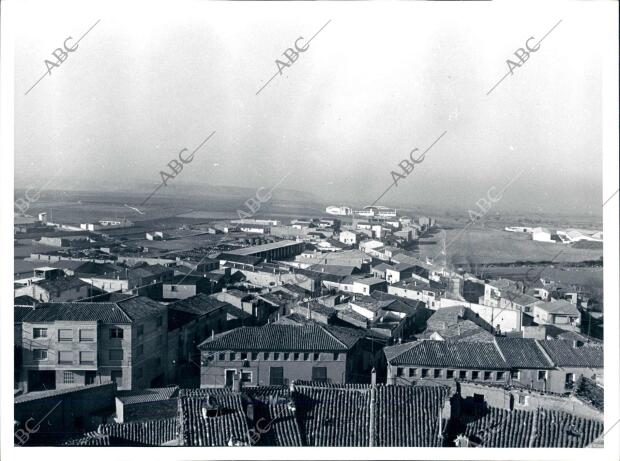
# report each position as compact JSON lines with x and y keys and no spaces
{"x":373,"y":377}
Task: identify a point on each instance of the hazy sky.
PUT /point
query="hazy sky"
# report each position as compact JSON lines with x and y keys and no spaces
{"x":378,"y":81}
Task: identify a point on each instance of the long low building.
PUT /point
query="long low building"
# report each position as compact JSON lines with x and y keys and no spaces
{"x":275,"y":250}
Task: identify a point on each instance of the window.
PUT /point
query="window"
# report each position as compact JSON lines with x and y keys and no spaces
{"x":319,"y":374}
{"x":437,"y":373}
{"x":221,"y":356}
{"x":231,"y":356}
{"x":87,"y":335}
{"x":140,"y":330}
{"x":116,"y":333}
{"x":65,"y":357}
{"x":276,"y":356}
{"x":87,"y":357}
{"x":487,"y":375}
{"x":499,"y":375}
{"x":449,"y":374}
{"x":542,"y":374}
{"x":316,"y":356}
{"x":246,"y":376}
{"x":412,"y":372}
{"x":39,"y":354}
{"x":286,"y":356}
{"x":462,"y":374}
{"x":522,"y":399}
{"x":276,"y":376}
{"x":475,"y":374}
{"x":306,"y":356}
{"x":140,"y":350}
{"x":515,"y":374}
{"x":296,"y":356}
{"x":68,"y":377}
{"x":117,"y":377}
{"x":265,"y":355}
{"x":244,"y":355}
{"x":173,"y":288}
{"x":399,"y":372}
{"x":336,"y":356}
{"x":160,"y":321}
{"x":39,"y":333}
{"x":65,"y":334}
{"x":424,"y":372}
{"x":254,"y":356}
{"x":116,"y":354}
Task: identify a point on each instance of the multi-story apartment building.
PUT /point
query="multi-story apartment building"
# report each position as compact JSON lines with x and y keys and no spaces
{"x":73,"y":344}
{"x":550,"y":366}
{"x":277,"y":353}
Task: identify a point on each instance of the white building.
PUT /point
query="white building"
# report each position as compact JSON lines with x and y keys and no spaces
{"x":541,"y":234}
{"x":348,"y":238}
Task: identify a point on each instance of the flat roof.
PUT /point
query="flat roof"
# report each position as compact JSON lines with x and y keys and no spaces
{"x":265,"y":247}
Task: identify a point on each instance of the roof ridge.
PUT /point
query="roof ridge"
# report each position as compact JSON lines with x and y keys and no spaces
{"x":117,"y":304}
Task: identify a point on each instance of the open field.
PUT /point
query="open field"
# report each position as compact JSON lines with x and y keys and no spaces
{"x":484,"y":246}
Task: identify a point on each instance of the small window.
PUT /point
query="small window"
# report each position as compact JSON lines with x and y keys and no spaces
{"x":296,"y":356}
{"x":116,"y":333}
{"x":462,"y":374}
{"x":65,"y":334}
{"x":306,"y":356}
{"x":160,"y":321}
{"x":87,"y":357}
{"x":266,"y":355}
{"x":449,"y":374}
{"x":116,"y":354}
{"x":39,"y":354}
{"x":336,"y":356}
{"x":542,"y":374}
{"x":437,"y":373}
{"x":499,"y":375}
{"x":221,"y":356}
{"x":140,"y":330}
{"x":39,"y":333}
{"x":412,"y":372}
{"x":140,"y":350}
{"x":65,"y":357}
{"x":522,"y":399}
{"x":475,"y":374}
{"x":68,"y":377}
{"x":515,"y":374}
{"x":243,"y":356}
{"x":246,"y":376}
{"x":87,"y":335}
{"x":286,"y":356}
{"x":173,"y":288}
{"x":316,"y":356}
{"x":399,"y":371}
{"x":424,"y":372}
{"x":254,"y":356}
{"x":231,"y":356}
{"x":487,"y":375}
{"x":276,"y":356}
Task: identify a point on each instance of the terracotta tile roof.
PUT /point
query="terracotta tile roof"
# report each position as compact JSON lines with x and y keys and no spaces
{"x":147,"y":433}
{"x":448,"y":354}
{"x":147,"y":395}
{"x":408,"y":416}
{"x":125,"y":311}
{"x":564,"y":354}
{"x":522,"y":353}
{"x":212,"y":431}
{"x":521,"y":429}
{"x":279,"y":337}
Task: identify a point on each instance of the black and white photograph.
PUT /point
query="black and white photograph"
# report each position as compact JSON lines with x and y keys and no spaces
{"x":371,"y":230}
